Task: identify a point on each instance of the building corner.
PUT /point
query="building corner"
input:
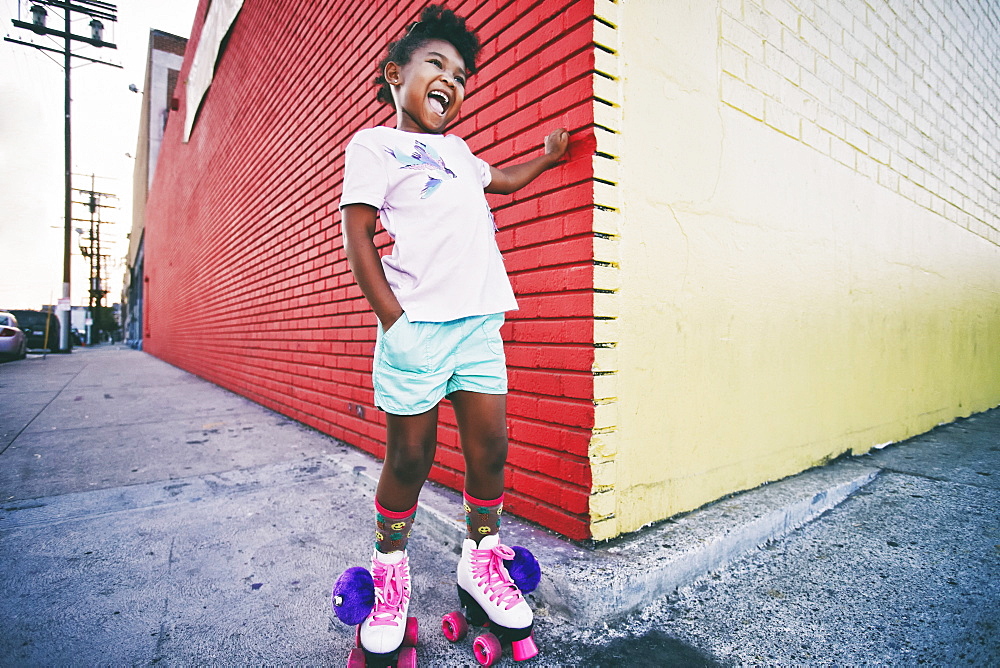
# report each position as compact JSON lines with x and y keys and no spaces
{"x":604,"y":442}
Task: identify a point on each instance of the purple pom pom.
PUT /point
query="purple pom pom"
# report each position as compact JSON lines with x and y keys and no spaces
{"x":524,"y":569}
{"x":353,"y":595}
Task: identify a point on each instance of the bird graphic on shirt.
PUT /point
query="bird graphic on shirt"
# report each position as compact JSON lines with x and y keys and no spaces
{"x":424,"y":158}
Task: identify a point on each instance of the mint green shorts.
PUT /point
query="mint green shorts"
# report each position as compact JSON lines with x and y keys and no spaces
{"x":417,"y":364}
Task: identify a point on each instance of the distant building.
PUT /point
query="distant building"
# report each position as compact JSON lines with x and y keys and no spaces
{"x":79,"y":315}
{"x":163,"y":64}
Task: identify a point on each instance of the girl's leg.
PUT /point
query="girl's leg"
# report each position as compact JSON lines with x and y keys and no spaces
{"x":410,"y":444}
{"x":485,"y":587}
{"x":411,"y":441}
{"x":482,"y":426}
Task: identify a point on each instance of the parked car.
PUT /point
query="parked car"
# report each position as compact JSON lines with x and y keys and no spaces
{"x":13,"y":342}
{"x":34,"y":324}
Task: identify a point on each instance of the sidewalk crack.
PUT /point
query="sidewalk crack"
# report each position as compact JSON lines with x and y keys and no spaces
{"x":163,"y":636}
{"x":42,"y":409}
{"x":933,"y":478}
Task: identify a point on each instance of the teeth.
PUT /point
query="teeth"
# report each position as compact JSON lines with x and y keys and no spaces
{"x":438,"y":100}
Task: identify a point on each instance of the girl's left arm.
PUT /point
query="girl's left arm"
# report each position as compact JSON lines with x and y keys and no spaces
{"x":510,"y":179}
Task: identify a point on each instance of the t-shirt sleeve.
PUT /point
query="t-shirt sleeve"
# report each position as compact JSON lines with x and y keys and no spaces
{"x":485,"y":175}
{"x":365,"y":180}
{"x":484,"y":171}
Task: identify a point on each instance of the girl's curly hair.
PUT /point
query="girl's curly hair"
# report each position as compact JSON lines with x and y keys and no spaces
{"x":435,"y":22}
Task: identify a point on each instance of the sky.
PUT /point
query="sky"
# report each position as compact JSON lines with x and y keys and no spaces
{"x":105,"y":126}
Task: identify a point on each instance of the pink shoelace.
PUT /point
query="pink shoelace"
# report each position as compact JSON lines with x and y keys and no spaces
{"x":392,"y":582}
{"x":489,"y":574}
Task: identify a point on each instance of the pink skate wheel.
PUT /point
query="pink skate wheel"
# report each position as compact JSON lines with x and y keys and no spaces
{"x":407,"y":658}
{"x":524,"y":649}
{"x":411,"y":633}
{"x":487,"y":649}
{"x":356,"y":659}
{"x":454,"y":626}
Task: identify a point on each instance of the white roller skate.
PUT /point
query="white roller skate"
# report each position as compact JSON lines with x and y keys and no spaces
{"x":491,"y":598}
{"x":386,"y":636}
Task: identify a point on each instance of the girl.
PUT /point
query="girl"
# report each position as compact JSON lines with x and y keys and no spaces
{"x":440,"y":299}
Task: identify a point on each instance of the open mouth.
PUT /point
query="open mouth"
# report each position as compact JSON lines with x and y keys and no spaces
{"x":439,"y":101}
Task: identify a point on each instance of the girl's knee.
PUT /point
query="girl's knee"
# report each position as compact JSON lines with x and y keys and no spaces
{"x":410,"y":462}
{"x":489,"y":455}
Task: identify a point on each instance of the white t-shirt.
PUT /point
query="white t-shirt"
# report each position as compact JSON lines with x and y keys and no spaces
{"x":429,"y":192}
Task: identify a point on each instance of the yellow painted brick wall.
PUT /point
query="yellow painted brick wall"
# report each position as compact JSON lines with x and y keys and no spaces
{"x":797,"y":238}
{"x":906,"y":93}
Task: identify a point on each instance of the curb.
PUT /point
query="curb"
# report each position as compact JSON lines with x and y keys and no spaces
{"x":590,"y":584}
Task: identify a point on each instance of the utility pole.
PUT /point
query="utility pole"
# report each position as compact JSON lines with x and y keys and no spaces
{"x":96,"y":10}
{"x":96,"y":321}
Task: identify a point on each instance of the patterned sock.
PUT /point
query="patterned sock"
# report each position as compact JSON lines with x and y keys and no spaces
{"x":482,"y":518}
{"x":392,"y":529}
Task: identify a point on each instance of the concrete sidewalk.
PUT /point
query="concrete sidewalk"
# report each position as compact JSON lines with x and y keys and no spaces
{"x":147,"y":516}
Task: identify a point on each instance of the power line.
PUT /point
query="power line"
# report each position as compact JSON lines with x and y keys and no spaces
{"x":99,"y":318}
{"x":98,"y":11}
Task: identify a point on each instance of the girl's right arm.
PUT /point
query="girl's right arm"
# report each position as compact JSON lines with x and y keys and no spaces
{"x":358,"y":224}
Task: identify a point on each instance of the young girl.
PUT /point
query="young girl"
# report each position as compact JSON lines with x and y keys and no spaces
{"x":440,"y":299}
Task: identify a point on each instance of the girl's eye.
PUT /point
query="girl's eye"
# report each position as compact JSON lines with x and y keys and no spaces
{"x":436,"y":62}
{"x":460,"y":80}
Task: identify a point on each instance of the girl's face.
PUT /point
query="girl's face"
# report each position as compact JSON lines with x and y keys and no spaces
{"x":428,"y":90}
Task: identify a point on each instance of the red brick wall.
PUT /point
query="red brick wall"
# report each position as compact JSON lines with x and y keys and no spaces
{"x":248,"y":285}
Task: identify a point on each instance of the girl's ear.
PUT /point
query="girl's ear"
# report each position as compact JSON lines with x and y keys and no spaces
{"x":392,"y":73}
